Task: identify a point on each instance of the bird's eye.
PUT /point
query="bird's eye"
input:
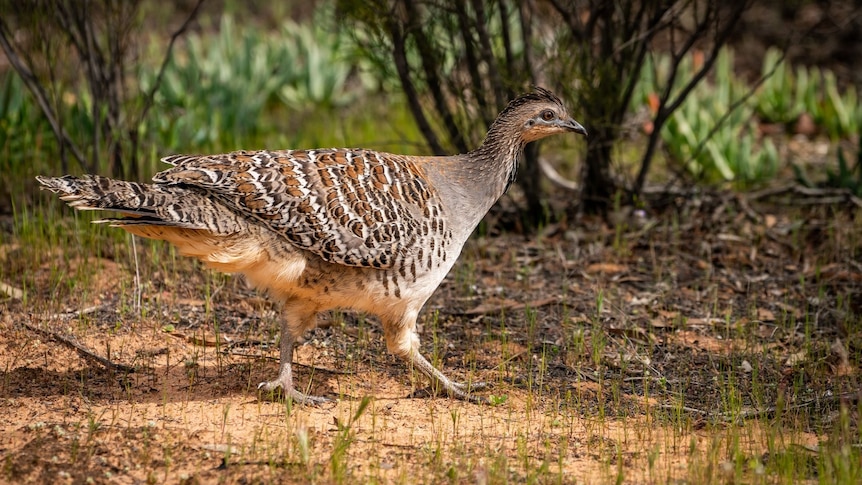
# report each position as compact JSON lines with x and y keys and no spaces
{"x":548,"y":115}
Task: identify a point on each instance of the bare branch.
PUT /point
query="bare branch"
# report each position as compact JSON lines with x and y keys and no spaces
{"x":430,"y":64}
{"x":150,"y":96}
{"x":39,"y":94}
{"x":81,"y":350}
{"x":570,"y":18}
{"x":555,"y":177}
{"x":472,"y":62}
{"x":488,"y":54}
{"x":399,"y":55}
{"x":525,"y":14}
{"x":667,"y":107}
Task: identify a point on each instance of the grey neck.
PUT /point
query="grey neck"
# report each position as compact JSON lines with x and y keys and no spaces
{"x":498,"y":158}
{"x":482,"y":176}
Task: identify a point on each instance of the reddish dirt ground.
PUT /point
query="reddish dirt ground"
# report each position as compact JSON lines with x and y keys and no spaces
{"x":609,"y":350}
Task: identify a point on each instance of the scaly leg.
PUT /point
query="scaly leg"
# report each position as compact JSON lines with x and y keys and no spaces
{"x":460,"y":390}
{"x":401,"y":339}
{"x":296,"y":320}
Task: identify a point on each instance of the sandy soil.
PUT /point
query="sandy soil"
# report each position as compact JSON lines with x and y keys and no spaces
{"x":662,"y":320}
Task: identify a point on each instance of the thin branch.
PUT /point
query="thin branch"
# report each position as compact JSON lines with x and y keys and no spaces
{"x":730,"y":110}
{"x":720,"y":39}
{"x":399,"y":55}
{"x":488,"y":54}
{"x":666,"y":107}
{"x":472,"y":62}
{"x":81,"y":350}
{"x":555,"y":177}
{"x":507,"y":40}
{"x":640,"y":54}
{"x":431,"y":66}
{"x":569,"y":18}
{"x":525,"y":14}
{"x":150,"y":96}
{"x":92,"y":56}
{"x":39,"y":94}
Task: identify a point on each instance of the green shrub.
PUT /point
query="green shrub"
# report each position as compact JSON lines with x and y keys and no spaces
{"x":715,"y":138}
{"x":218,"y":89}
{"x":786,"y":94}
{"x":321,"y":67}
{"x":781,"y":97}
{"x":24,"y":134}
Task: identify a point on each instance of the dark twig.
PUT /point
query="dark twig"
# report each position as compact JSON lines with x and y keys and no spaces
{"x":811,"y":195}
{"x":148,"y":99}
{"x":39,"y":93}
{"x":399,"y":56}
{"x":748,"y":413}
{"x":81,"y":350}
{"x":668,"y":106}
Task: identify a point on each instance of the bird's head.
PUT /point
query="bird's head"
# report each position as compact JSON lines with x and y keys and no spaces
{"x":539,"y":114}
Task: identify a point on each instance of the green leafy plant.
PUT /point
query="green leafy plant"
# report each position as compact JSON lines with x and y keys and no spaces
{"x":217,"y":89}
{"x":839,"y":117}
{"x":846,"y":176}
{"x":712,"y":134}
{"x":780,"y":98}
{"x":23,"y":136}
{"x":834,"y":111}
{"x":21,"y":127}
{"x":344,"y":438}
{"x":321,"y":66}
{"x":214,"y":90}
{"x":843,"y":176}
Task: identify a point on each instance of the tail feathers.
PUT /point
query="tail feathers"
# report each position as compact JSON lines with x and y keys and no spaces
{"x":141,"y":221}
{"x":92,"y":192}
{"x":147,"y":204}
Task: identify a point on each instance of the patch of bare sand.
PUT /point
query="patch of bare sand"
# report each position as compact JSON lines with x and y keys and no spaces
{"x":192,"y":414}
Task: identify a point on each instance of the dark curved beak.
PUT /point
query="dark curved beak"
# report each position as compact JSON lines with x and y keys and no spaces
{"x":574,"y":126}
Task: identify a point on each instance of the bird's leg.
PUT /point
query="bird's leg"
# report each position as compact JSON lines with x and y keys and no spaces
{"x":455,"y":389}
{"x":293,"y":325}
{"x":401,"y":339}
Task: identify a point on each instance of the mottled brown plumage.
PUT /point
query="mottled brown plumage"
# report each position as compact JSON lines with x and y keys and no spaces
{"x":330,"y":228}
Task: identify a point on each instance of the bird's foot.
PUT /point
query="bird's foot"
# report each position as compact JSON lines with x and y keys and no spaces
{"x":470,"y":386}
{"x":457,"y":390}
{"x":290,"y":392}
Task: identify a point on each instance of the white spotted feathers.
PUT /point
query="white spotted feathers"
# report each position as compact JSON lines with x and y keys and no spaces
{"x":351,"y":207}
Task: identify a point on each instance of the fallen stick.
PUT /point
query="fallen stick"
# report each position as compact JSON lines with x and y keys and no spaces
{"x":81,"y":350}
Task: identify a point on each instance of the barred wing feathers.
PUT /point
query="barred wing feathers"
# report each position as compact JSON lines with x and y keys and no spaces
{"x":147,"y":204}
{"x":352,"y":207}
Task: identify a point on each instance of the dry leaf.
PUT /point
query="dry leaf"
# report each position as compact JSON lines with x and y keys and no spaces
{"x":633,"y":333}
{"x":606,"y":268}
{"x":6,"y":249}
{"x":491,"y":306}
{"x":11,"y":291}
{"x":640,"y":300}
{"x":844,"y":368}
{"x":765,"y":315}
{"x":796,"y":358}
{"x":496,"y":306}
{"x":731,"y":238}
{"x":579,"y":318}
{"x":205,"y":340}
{"x":190,"y":302}
{"x":704,"y":321}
